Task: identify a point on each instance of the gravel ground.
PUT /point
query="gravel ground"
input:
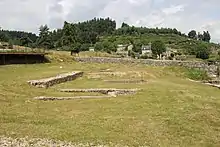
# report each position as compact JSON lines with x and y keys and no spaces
{"x":27,"y":142}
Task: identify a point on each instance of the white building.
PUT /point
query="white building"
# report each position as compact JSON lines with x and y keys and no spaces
{"x":146,"y":49}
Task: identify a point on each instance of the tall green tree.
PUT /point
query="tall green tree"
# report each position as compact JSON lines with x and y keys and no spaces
{"x":192,"y":34}
{"x":123,"y":25}
{"x":44,"y":37}
{"x":206,"y":36}
{"x":158,"y":47}
{"x":200,"y":36}
{"x":137,"y":46}
{"x":69,"y":34}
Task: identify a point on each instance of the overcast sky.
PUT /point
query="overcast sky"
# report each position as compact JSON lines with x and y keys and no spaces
{"x":184,"y":15}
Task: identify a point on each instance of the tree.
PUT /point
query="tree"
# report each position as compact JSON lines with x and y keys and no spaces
{"x":202,"y":51}
{"x":158,"y":47}
{"x":25,"y":41}
{"x":206,"y":36}
{"x":69,"y":34}
{"x":4,"y":37}
{"x":200,"y":36}
{"x":99,"y":46}
{"x":76,"y":47}
{"x":44,"y":37}
{"x":123,"y":25}
{"x":192,"y":34}
{"x":137,"y":47}
{"x":85,"y":47}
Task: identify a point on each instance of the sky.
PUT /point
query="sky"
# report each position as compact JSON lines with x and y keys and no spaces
{"x":185,"y":15}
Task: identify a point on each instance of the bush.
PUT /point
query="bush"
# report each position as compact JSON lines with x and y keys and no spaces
{"x":202,"y":51}
{"x":196,"y":74}
{"x":105,"y":46}
{"x":137,"y":47}
{"x":144,"y":57}
{"x":99,"y":46}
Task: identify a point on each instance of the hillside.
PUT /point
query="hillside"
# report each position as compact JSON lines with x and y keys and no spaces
{"x":181,"y":43}
{"x":102,"y":35}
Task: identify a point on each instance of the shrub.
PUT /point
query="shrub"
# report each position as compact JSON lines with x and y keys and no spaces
{"x":99,"y":46}
{"x":105,"y":46}
{"x":196,"y":74}
{"x":144,"y":57}
{"x":202,"y":51}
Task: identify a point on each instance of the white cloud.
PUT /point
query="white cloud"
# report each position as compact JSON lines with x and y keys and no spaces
{"x":173,"y":9}
{"x":184,"y":15}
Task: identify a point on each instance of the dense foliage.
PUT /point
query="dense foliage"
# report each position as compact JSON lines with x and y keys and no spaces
{"x":202,"y":51}
{"x":158,"y":47}
{"x":204,"y":37}
{"x":17,"y":37}
{"x":102,"y":34}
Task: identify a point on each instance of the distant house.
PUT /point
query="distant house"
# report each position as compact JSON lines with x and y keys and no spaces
{"x":91,"y":49}
{"x":146,"y":49}
{"x":121,"y":47}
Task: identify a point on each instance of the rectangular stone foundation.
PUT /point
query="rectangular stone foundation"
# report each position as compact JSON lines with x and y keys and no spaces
{"x":48,"y":82}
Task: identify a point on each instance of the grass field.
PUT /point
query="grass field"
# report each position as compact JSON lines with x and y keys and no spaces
{"x":170,"y":111}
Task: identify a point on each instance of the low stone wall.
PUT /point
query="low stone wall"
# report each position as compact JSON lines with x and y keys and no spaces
{"x":47,"y":82}
{"x":109,"y":91}
{"x":42,"y":98}
{"x":212,"y":69}
{"x":126,"y":81}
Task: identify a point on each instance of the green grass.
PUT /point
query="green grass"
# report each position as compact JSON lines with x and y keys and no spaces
{"x":170,"y":111}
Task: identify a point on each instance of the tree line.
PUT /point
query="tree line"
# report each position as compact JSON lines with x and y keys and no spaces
{"x":80,"y":36}
{"x":205,"y":36}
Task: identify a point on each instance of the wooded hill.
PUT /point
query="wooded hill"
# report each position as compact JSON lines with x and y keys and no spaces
{"x":82,"y":35}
